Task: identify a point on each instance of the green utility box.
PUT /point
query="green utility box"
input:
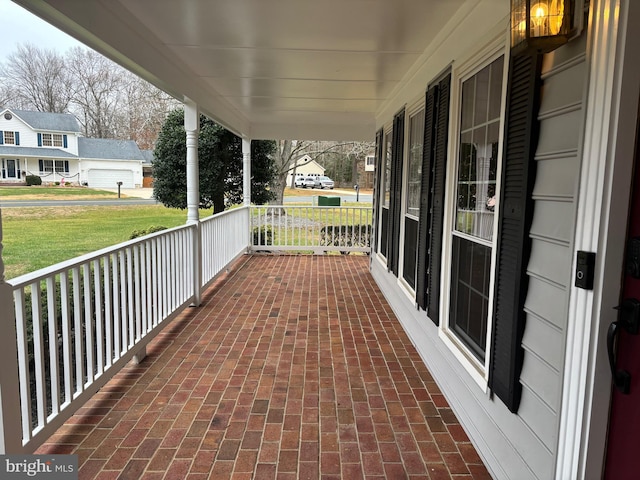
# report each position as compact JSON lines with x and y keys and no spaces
{"x":328,"y":201}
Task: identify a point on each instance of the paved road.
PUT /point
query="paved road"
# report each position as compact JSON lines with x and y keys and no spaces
{"x":142,"y":196}
{"x":75,"y":203}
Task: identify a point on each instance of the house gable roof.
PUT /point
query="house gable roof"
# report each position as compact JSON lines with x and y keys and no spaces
{"x":306,"y":160}
{"x":46,"y":121}
{"x":103,"y":148}
{"x":148,"y":156}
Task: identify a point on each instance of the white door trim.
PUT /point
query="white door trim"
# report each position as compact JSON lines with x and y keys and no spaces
{"x":600,"y":227}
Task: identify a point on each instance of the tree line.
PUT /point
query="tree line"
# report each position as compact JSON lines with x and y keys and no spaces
{"x":107,"y":100}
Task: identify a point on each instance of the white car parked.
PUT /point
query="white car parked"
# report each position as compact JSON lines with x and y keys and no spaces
{"x":323,"y":182}
{"x":304,"y":182}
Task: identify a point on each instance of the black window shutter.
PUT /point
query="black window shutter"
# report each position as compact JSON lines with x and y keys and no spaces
{"x":376,"y":189}
{"x":64,"y":141}
{"x":17,"y":137}
{"x":514,"y":244}
{"x":66,"y":166}
{"x":39,"y":139}
{"x":395,"y":202}
{"x":41,"y":165}
{"x":437,"y":206}
{"x":1,"y":137}
{"x":424,"y":219}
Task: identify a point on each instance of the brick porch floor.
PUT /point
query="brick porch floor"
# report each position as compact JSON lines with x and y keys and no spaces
{"x":294,"y":367}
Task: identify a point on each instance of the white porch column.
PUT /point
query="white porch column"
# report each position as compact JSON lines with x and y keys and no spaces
{"x":10,"y":429}
{"x":246,"y":170}
{"x":192,"y":127}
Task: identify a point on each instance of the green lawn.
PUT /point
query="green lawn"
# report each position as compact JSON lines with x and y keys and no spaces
{"x":35,"y":238}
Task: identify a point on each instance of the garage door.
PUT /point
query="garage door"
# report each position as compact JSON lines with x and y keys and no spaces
{"x":110,"y":178}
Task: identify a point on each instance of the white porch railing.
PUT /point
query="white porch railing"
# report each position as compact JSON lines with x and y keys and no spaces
{"x":225,"y":236}
{"x":79,"y":322}
{"x":311,"y":229}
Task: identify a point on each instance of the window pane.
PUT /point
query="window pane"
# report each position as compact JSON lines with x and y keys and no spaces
{"x":414,"y":177}
{"x":495,"y":89}
{"x":387,"y":171}
{"x":57,"y":140}
{"x":9,"y":138}
{"x":469,"y":293}
{"x":468,"y":88}
{"x":46,"y":140}
{"x":482,"y":96}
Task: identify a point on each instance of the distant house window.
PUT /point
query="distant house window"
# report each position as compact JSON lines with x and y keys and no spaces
{"x":52,"y":140}
{"x":9,"y":138}
{"x":48,"y":166}
{"x":371,"y":160}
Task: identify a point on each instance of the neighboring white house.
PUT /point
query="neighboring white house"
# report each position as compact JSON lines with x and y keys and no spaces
{"x":50,"y":146}
{"x":306,"y":167}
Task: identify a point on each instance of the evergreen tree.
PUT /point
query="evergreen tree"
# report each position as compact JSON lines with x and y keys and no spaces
{"x":220,"y":164}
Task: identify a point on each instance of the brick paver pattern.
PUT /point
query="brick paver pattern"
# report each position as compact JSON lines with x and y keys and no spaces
{"x":294,"y":367}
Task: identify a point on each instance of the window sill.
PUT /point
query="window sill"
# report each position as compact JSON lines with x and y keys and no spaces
{"x":469,"y":362}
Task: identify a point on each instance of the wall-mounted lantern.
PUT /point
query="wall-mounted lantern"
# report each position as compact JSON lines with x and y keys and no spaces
{"x":540,"y":26}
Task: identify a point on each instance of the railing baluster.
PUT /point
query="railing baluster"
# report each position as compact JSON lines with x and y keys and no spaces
{"x":108,"y":311}
{"x":137,"y":292}
{"x":115,"y":282}
{"x":97,"y":288}
{"x":52,"y":321}
{"x":131,"y":329}
{"x":23,"y":362}
{"x":88,"y":322}
{"x":124,"y":329}
{"x":143,"y":288}
{"x":77,"y":334}
{"x":38,"y":352}
{"x":66,"y":337}
{"x":154,"y":256}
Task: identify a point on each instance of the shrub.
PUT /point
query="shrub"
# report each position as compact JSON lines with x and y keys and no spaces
{"x":262,"y":236}
{"x":57,"y":184}
{"x":33,"y":180}
{"x":143,"y":232}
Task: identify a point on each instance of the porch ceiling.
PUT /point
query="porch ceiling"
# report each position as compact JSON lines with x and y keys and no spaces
{"x":268,"y":69}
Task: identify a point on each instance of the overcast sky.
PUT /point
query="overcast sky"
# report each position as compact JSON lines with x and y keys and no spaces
{"x":17,"y":26}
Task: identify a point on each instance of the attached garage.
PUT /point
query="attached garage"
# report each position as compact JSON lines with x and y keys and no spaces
{"x":101,"y":178}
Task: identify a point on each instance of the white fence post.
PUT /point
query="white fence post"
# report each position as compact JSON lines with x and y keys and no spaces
{"x":10,"y":429}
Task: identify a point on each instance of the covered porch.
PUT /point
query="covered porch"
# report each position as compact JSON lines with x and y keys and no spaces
{"x":294,"y":366}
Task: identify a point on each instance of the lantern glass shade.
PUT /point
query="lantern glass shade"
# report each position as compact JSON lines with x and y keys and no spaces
{"x":539,"y":26}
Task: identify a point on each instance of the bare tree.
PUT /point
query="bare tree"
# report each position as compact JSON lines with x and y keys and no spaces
{"x":145,"y":110}
{"x":289,"y":151}
{"x":98,"y":92}
{"x":39,"y":79}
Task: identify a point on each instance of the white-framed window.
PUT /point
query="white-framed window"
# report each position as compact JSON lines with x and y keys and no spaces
{"x":474,"y":172}
{"x":49,"y":166}
{"x":414,"y":164}
{"x":9,"y":138}
{"x":370,"y":161}
{"x":52,"y":140}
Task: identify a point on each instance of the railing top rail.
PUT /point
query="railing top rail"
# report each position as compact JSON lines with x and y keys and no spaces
{"x":222,"y":214}
{"x":318,"y":207}
{"x":31,"y":277}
